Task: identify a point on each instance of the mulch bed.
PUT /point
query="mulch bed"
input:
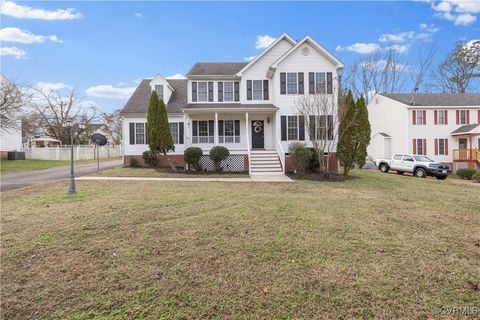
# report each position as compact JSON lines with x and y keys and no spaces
{"x":336,"y":177}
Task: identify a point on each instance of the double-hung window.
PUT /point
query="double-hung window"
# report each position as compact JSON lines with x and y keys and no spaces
{"x":442,"y":116}
{"x":322,"y":127}
{"x":463,"y":117}
{"x":257,"y":89}
{"x":202,"y":131}
{"x":174,"y":129}
{"x":292,"y":128}
{"x":202,"y":91}
{"x":320,"y":82}
{"x":229,"y":131}
{"x":442,"y":147}
{"x":228,"y":91}
{"x":292,"y":84}
{"x":159,"y":90}
{"x":139,"y":133}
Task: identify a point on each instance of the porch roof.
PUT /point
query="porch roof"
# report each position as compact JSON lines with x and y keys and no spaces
{"x":229,"y":107}
{"x":467,"y":129}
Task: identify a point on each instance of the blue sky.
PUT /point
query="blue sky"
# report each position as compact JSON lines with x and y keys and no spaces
{"x":103,"y":48}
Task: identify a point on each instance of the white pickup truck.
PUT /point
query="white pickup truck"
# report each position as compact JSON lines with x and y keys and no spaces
{"x":420,"y":166}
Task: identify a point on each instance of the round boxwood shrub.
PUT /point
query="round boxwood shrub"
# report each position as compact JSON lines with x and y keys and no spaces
{"x":192,"y":157}
{"x":218,"y":154}
{"x":466,"y":173}
{"x":150,"y":158}
{"x":300,"y":156}
{"x":476,"y":176}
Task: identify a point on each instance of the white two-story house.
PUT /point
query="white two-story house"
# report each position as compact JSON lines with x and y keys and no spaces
{"x":250,"y":108}
{"x":444,"y":127}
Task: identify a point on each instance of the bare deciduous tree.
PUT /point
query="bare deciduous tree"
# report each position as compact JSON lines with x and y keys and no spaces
{"x":55,"y":107}
{"x":114,"y":123}
{"x":457,"y":71}
{"x":12,"y":99}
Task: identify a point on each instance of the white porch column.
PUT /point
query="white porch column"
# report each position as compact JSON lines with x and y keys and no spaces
{"x":246,"y":131}
{"x":215,"y":126}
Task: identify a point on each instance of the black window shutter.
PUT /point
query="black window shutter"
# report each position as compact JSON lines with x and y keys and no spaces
{"x":220,"y":127}
{"x":311,"y":126}
{"x":311,"y":82}
{"x":146,"y":134}
{"x":180,"y":132}
{"x":237,"y":127}
{"x":210,"y":91}
{"x":132,"y":133}
{"x":283,"y":83}
{"x":330,"y":127}
{"x":210,"y":128}
{"x":283,"y":125}
{"x":329,"y":82}
{"x":220,"y":91}
{"x":237,"y":91}
{"x":194,"y":91}
{"x":265,"y":89}
{"x":300,"y":83}
{"x":301,"y":128}
{"x":194,"y":128}
{"x":249,"y":89}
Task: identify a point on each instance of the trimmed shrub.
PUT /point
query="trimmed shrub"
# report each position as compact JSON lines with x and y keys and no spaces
{"x":218,"y":154}
{"x":150,"y":158}
{"x":133,"y":163}
{"x":192,"y":157}
{"x":313,"y":163}
{"x":300,"y":156}
{"x":466,"y":173}
{"x":476,"y":176}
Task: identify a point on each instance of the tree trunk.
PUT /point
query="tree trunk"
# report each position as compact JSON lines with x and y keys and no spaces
{"x":346,"y":169}
{"x":169,"y":161}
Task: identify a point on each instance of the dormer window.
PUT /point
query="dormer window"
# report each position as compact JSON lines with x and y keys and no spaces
{"x":159,"y":90}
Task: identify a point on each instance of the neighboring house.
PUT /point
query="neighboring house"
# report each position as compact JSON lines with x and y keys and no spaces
{"x":42,"y":142}
{"x":247,"y":107}
{"x":10,"y":140}
{"x":444,"y":127}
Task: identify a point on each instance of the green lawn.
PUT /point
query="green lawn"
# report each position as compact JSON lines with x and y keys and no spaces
{"x":9,"y":166}
{"x":152,"y":173}
{"x":380,"y":246}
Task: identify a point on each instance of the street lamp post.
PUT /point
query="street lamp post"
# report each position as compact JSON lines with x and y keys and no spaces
{"x":71,"y":185}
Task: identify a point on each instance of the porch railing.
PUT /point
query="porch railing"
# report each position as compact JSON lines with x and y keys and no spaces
{"x":281,"y":154}
{"x":466,"y":154}
{"x":228,"y":139}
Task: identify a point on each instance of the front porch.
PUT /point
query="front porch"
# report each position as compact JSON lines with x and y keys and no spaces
{"x":467,"y":153}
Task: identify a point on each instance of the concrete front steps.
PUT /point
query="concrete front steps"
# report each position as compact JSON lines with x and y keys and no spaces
{"x":265,"y":162}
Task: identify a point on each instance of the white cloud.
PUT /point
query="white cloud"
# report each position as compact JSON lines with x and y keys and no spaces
{"x":52,"y":86}
{"x":461,"y":12}
{"x":109,"y":91}
{"x":400,"y":48}
{"x":12,"y":51}
{"x":12,"y":34}
{"x":428,"y":28}
{"x":263,"y":41}
{"x":10,"y":8}
{"x":176,"y":76}
{"x":363,"y":48}
{"x":396,"y":37}
{"x":138,"y":15}
{"x":249,"y":58}
{"x":339,"y":48}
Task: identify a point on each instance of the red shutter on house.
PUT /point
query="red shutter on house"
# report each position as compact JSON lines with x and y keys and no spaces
{"x":424,"y":145}
{"x":435,"y":117}
{"x":478,"y":121}
{"x":458,"y":116}
{"x":414,"y":146}
{"x":424,"y":117}
{"x":468,"y":116}
{"x":436,"y":147}
{"x":446,"y":147}
{"x":414,"y":117}
{"x":446,"y":116}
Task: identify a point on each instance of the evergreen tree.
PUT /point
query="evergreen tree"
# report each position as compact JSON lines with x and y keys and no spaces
{"x":363,"y":131}
{"x":158,"y":131}
{"x":347,"y":135}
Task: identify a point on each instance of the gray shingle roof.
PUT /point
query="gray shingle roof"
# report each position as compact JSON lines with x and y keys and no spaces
{"x":216,"y":68}
{"x":138,"y":102}
{"x":230,"y":106}
{"x":466,"y":128}
{"x":436,"y":99}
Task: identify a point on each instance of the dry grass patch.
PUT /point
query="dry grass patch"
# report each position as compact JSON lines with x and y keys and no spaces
{"x":380,"y":246}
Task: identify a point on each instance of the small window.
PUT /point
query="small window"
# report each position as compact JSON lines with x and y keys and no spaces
{"x":320,"y":82}
{"x":463,"y":117}
{"x":292,"y":83}
{"x":174,"y":131}
{"x":442,"y":116}
{"x":228,"y":91}
{"x":419,"y":117}
{"x":203,"y":91}
{"x":420,"y":146}
{"x":159,"y":90}
{"x":292,"y":128}
{"x":257,"y":89}
{"x":441,"y":146}
{"x":397,"y":157}
{"x":139,"y":133}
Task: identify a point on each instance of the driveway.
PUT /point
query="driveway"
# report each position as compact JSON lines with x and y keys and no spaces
{"x":23,"y":179}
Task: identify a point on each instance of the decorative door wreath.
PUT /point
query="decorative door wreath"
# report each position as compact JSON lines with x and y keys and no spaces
{"x":257,"y":126}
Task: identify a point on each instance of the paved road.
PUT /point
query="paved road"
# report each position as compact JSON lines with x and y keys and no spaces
{"x":23,"y":179}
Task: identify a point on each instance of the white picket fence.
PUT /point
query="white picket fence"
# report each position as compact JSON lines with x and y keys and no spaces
{"x":79,"y":152}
